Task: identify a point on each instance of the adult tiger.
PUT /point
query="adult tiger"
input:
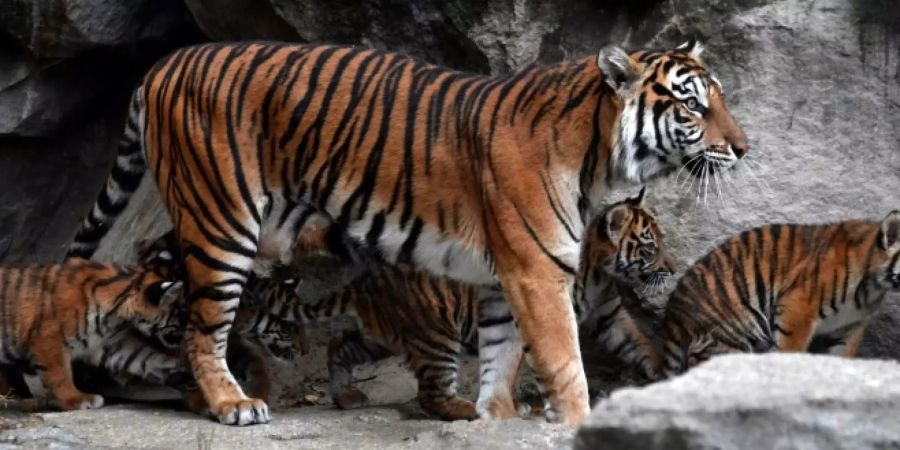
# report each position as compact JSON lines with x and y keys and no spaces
{"x":488,"y":180}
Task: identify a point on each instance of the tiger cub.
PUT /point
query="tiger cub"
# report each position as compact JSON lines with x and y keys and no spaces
{"x":431,"y":321}
{"x":777,"y":287}
{"x":95,"y":313}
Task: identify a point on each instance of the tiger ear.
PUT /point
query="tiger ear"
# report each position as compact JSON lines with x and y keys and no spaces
{"x":890,"y":230}
{"x":692,"y":47}
{"x":615,"y":221}
{"x":173,"y":291}
{"x":639,"y":200}
{"x":619,"y":71}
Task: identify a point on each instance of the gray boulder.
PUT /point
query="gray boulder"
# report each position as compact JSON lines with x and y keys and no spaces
{"x":773,"y":401}
{"x":53,"y":29}
{"x":59,"y":59}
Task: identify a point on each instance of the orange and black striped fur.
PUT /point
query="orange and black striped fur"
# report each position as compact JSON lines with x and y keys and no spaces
{"x":430,"y":320}
{"x":778,"y":287}
{"x":257,"y":335}
{"x":96,"y":313}
{"x":489,"y":180}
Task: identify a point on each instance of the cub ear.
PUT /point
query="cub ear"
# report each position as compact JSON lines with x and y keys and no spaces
{"x":615,"y":221}
{"x":890,"y":230}
{"x":164,"y":292}
{"x":692,"y":47}
{"x":619,"y":71}
{"x":639,"y":200}
{"x":173,"y":293}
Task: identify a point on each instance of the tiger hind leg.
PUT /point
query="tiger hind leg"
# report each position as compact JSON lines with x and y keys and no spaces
{"x":345,"y":351}
{"x":217,"y":271}
{"x":437,"y":372}
{"x":499,"y":357}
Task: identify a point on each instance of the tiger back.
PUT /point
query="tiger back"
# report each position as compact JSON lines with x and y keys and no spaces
{"x":780,"y":287}
{"x":96,"y":313}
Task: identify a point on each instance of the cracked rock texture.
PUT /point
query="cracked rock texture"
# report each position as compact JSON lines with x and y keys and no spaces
{"x":815,"y":84}
{"x":755,"y":401}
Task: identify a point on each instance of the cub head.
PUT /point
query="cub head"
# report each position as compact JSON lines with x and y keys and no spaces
{"x":888,"y":272}
{"x":672,"y":113}
{"x":626,"y":243}
{"x":284,"y":340}
{"x":162,"y":312}
{"x":281,"y":339}
{"x":163,"y":255}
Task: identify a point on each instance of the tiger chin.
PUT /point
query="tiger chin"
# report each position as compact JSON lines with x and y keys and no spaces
{"x":456,"y":174}
{"x":432,"y":322}
{"x":784,"y":287}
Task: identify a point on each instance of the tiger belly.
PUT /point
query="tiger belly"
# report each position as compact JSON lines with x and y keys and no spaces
{"x":425,"y":248}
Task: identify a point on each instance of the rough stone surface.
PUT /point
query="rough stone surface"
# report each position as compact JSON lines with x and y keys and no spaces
{"x":52,"y":29}
{"x":148,"y":427}
{"x":796,"y":401}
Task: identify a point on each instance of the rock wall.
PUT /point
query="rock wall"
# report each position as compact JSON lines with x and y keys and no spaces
{"x":816,"y":85}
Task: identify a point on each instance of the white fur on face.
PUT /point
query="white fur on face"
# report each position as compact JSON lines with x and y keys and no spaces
{"x":667,"y":143}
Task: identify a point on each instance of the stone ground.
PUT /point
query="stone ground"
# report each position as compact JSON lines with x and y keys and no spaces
{"x":315,"y":427}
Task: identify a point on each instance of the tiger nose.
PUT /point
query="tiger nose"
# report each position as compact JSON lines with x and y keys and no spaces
{"x":740,"y":150}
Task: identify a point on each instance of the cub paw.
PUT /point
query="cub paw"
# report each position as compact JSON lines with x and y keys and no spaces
{"x":249,"y":411}
{"x":83,"y":401}
{"x":453,"y":409}
{"x":498,"y":408}
{"x":350,"y":398}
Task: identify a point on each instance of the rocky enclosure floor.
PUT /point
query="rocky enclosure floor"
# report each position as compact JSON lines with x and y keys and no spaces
{"x":313,"y":427}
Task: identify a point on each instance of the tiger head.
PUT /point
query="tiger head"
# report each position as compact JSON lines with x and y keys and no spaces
{"x":284,"y":341}
{"x":628,"y":244}
{"x":672,"y":113}
{"x":887,"y":273}
{"x":163,"y":254}
{"x":162,"y":313}
{"x":280,"y":338}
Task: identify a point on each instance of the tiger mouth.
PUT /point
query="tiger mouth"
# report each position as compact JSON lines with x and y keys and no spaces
{"x":708,"y":162}
{"x":170,"y":338}
{"x":282,"y":353}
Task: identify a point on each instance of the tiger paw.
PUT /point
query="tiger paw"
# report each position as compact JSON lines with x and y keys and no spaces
{"x":81,"y":401}
{"x":350,"y":398}
{"x":501,"y":407}
{"x":249,"y":411}
{"x":453,"y":409}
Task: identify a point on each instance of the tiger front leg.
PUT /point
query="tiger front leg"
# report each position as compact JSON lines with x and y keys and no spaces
{"x":619,"y":333}
{"x":849,"y":343}
{"x":346,"y":350}
{"x":540,"y":299}
{"x":796,"y":322}
{"x":56,"y":375}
